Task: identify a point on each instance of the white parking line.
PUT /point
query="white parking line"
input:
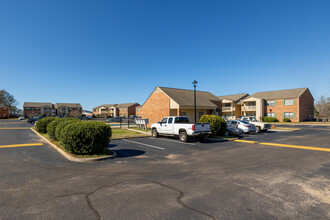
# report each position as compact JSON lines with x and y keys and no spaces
{"x":173,"y":141}
{"x":147,"y":145}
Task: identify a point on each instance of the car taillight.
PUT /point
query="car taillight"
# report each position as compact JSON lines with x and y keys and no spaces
{"x":193,"y":127}
{"x":247,"y":126}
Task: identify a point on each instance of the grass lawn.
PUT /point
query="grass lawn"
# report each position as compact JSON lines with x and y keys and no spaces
{"x":106,"y":152}
{"x":124,"y":133}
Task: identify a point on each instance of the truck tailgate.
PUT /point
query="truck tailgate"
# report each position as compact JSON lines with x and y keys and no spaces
{"x":202,"y":127}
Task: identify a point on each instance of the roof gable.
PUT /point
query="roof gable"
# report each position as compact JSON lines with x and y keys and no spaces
{"x":185,"y":98}
{"x":235,"y":98}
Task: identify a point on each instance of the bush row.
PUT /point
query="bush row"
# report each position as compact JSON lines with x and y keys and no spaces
{"x":76,"y":136}
{"x":269,"y":119}
{"x":218,"y":124}
{"x":286,"y":120}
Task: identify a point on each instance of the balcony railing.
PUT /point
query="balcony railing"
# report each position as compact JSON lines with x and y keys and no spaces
{"x":249,"y":108}
{"x":227,"y":109}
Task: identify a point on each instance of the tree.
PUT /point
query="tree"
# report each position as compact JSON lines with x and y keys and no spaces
{"x":8,"y":100}
{"x":323,"y":107}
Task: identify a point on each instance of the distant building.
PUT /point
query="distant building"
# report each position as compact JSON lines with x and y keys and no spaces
{"x":87,"y":113}
{"x":115,"y":110}
{"x":230,"y":107}
{"x":31,"y":109}
{"x":4,"y":111}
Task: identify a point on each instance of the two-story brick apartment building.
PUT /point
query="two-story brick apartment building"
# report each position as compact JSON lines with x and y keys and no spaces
{"x":179,"y":102}
{"x":4,"y":111}
{"x":68,"y":109}
{"x":31,"y":109}
{"x":295,"y":104}
{"x":127,"y":109}
{"x":114,"y":110}
{"x":230,"y":107}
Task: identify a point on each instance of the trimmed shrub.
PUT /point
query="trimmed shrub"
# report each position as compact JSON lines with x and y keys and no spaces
{"x":269,"y":119}
{"x":86,"y":137}
{"x":218,"y":124}
{"x":51,"y":127}
{"x":286,"y":120}
{"x":42,"y":124}
{"x":60,"y":126}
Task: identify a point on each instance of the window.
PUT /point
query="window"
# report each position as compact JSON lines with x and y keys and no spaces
{"x":183,"y":114}
{"x":289,"y":115}
{"x":36,"y":108}
{"x":271,"y":115}
{"x":227,"y":104}
{"x":200,"y":114}
{"x":251,"y":104}
{"x":125,"y":109}
{"x":271,"y":103}
{"x":170,"y":120}
{"x":181,"y":120}
{"x":27,"y":108}
{"x":288,"y":102}
{"x":164,"y":120}
{"x":138,"y":109}
{"x":70,"y":109}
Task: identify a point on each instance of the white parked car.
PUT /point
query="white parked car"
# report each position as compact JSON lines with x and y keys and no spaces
{"x":180,"y":126}
{"x":21,"y":117}
{"x":260,"y":126}
{"x":245,"y":126}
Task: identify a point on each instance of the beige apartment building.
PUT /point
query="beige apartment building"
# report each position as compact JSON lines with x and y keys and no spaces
{"x":231,"y":108}
{"x":106,"y":110}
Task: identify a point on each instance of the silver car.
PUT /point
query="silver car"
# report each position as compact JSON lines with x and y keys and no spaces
{"x":233,"y":130}
{"x":245,"y":126}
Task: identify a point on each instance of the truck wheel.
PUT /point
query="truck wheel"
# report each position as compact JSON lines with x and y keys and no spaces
{"x":183,"y":136}
{"x":258,"y":129}
{"x":154,"y":132}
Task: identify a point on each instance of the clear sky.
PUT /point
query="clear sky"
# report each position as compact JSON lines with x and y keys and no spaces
{"x":104,"y":52}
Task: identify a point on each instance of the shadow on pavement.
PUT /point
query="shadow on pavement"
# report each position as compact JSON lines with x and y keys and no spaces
{"x":212,"y":141}
{"x":112,"y":145}
{"x":129,"y":152}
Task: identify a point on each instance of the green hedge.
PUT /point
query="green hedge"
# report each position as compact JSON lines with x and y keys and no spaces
{"x":42,"y":124}
{"x":86,"y":137}
{"x":60,"y":126}
{"x":218,"y":124}
{"x":286,"y":120}
{"x":269,"y":119}
{"x":51,"y":128}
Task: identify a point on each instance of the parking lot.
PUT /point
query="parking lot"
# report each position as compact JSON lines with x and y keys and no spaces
{"x":272,"y":175}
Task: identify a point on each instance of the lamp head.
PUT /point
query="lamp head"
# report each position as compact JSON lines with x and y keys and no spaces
{"x":194,"y":82}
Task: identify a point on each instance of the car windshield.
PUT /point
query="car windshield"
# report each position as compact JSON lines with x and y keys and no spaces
{"x":244,"y":122}
{"x":253,"y":119}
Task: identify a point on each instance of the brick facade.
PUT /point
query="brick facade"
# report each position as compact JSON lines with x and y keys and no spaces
{"x":156,"y":107}
{"x":279,"y":109}
{"x":306,"y":106}
{"x":4,"y":112}
{"x":30,"y":112}
{"x":131,"y":110}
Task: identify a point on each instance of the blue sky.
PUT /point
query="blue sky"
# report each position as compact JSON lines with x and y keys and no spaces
{"x":100,"y":52}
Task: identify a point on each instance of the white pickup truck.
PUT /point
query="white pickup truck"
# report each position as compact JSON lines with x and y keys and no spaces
{"x":179,"y":125}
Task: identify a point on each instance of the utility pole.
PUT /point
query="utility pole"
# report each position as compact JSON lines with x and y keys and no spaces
{"x":194,"y":83}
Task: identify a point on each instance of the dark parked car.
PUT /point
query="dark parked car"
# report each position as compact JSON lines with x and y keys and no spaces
{"x":33,"y":120}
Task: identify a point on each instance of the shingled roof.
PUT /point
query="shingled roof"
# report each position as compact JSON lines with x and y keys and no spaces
{"x":280,"y":94}
{"x":126,"y":105}
{"x":185,"y":98}
{"x":235,"y":98}
{"x":69,"y":105}
{"x":37,"y":104}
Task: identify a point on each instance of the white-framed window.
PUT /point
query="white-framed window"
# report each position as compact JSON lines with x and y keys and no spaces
{"x":125,"y":109}
{"x":27,"y":108}
{"x":70,"y":109}
{"x":288,"y":102}
{"x":271,"y":103}
{"x":271,"y":115}
{"x":138,"y":109}
{"x":289,"y":115}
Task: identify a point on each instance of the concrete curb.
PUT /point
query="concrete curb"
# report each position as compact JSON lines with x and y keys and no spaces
{"x":71,"y":158}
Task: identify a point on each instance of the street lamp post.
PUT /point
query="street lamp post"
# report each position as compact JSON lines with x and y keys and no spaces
{"x":194,"y":83}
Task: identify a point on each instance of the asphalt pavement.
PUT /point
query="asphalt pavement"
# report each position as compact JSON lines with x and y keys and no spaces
{"x":162,"y":178}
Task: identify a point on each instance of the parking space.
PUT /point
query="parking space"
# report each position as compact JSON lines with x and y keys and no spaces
{"x":215,"y":179}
